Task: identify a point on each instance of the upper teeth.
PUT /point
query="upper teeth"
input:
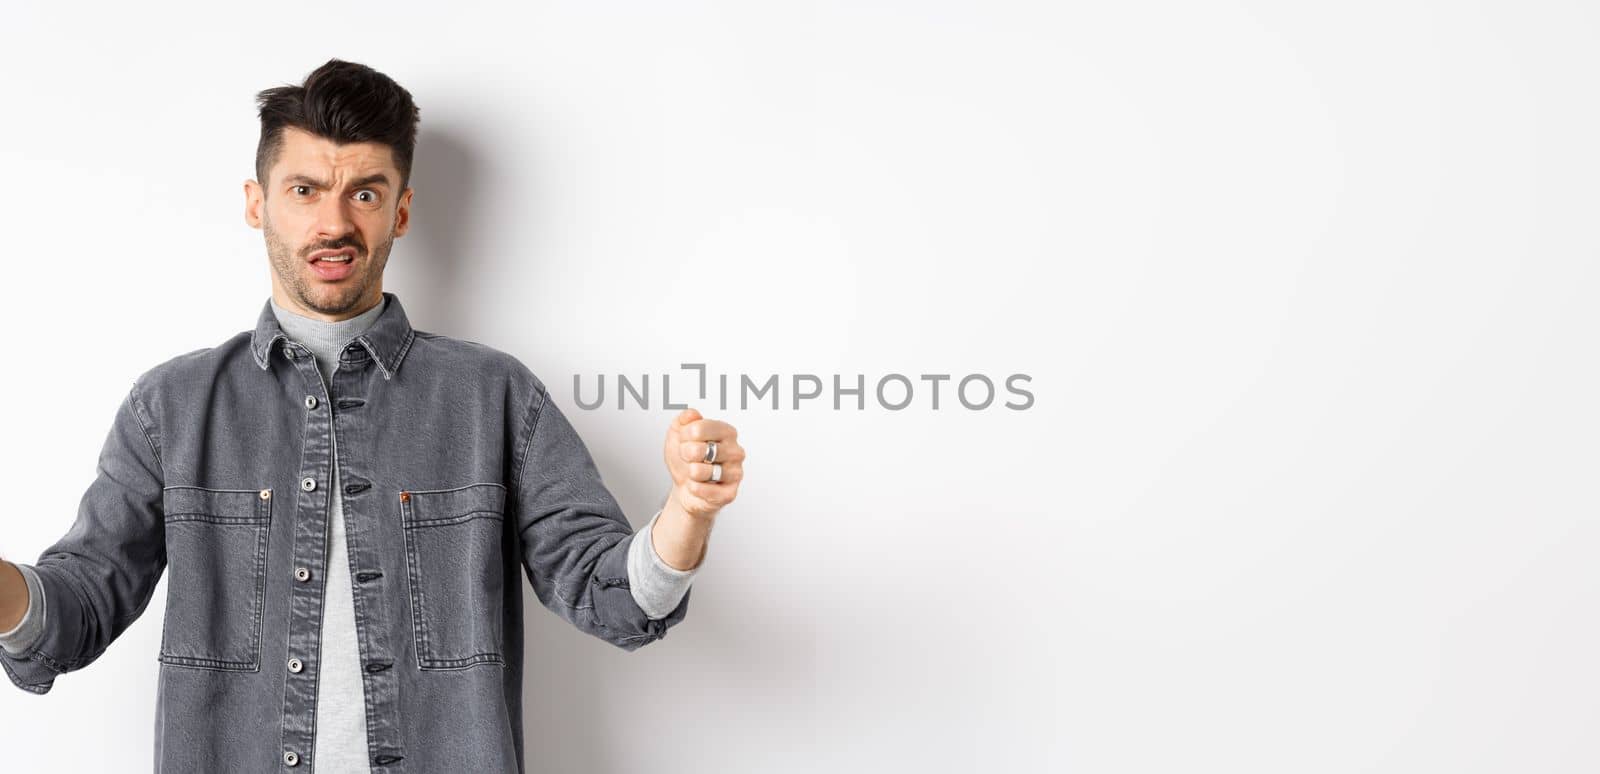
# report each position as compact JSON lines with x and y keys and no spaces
{"x":340,"y":258}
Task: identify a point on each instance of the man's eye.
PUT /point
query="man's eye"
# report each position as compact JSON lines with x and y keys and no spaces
{"x":302,"y":190}
{"x":370,"y":196}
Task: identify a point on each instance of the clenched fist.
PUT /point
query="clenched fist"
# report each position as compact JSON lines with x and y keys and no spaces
{"x":706,"y":463}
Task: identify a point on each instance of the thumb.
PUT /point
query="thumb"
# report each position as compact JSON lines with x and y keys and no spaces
{"x":687,"y":415}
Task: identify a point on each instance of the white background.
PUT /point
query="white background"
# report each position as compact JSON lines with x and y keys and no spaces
{"x":1306,"y":290}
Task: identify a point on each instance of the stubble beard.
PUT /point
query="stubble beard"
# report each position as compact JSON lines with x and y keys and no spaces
{"x":321,"y":297}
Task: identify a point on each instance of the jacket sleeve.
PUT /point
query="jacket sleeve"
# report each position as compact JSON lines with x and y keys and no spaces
{"x":575,"y":538}
{"x":98,"y":578}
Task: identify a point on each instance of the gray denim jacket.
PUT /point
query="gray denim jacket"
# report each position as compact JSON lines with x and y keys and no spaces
{"x":457,"y":469}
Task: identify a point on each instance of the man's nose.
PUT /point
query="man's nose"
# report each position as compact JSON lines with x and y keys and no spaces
{"x":333,"y":218}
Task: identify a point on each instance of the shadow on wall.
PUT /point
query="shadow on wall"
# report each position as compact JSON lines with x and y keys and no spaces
{"x":445,"y":250}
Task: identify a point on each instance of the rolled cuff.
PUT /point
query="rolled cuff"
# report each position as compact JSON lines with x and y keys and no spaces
{"x":657,"y":586}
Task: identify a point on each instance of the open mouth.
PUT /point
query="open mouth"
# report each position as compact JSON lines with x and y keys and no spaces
{"x":333,"y":256}
{"x":333,"y":264}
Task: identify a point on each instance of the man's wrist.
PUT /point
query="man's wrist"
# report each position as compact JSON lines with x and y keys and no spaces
{"x":679,"y":537}
{"x":13,"y":596}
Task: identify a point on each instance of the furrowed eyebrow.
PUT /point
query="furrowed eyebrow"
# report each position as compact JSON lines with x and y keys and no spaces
{"x":377,"y":179}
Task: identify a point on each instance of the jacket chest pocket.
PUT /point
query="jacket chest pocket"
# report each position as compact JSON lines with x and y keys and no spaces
{"x":216,"y":576}
{"x":454,"y":565}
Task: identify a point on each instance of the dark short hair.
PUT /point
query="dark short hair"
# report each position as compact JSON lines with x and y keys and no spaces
{"x":344,"y":102}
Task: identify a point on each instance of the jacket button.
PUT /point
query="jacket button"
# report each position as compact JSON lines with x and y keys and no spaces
{"x":266,"y":494}
{"x":302,"y":574}
{"x":308,"y":483}
{"x":290,"y":758}
{"x":311,"y":401}
{"x":295,"y":666}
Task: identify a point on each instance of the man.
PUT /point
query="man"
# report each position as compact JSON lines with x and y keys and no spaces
{"x":342,"y":502}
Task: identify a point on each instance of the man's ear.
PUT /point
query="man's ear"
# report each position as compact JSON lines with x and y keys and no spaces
{"x":254,"y":200}
{"x":402,"y":214}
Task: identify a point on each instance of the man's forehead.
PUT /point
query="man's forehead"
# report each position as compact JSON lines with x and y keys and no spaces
{"x":306,"y":153}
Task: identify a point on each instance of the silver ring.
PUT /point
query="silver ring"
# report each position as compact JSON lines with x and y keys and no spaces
{"x":716,"y":473}
{"x":711,"y":451}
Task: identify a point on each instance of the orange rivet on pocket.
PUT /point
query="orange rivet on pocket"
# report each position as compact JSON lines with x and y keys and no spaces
{"x":266,"y":494}
{"x":404,"y":496}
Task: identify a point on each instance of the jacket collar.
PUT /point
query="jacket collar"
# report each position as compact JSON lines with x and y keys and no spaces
{"x":387,"y":339}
